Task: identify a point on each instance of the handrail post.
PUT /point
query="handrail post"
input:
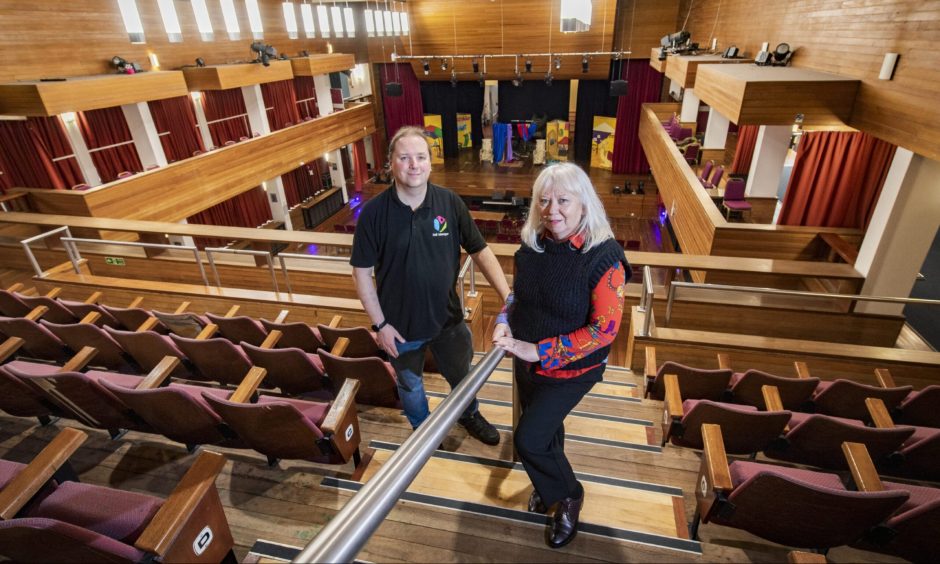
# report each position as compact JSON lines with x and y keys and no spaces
{"x":215,"y":271}
{"x":343,"y":537}
{"x":473,"y":279}
{"x":285,"y":273}
{"x":32,"y":258}
{"x":672,"y":296}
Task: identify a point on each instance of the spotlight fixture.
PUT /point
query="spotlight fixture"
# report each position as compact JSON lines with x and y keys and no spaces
{"x":305,"y":53}
{"x":426,"y":65}
{"x":557,"y":63}
{"x":548,"y":78}
{"x":528,"y":65}
{"x":517,"y":80}
{"x":443,"y":64}
{"x":200,"y":62}
{"x":476,"y":66}
{"x":265,"y":53}
{"x":584,"y":64}
{"x":662,"y":54}
{"x":453,"y":78}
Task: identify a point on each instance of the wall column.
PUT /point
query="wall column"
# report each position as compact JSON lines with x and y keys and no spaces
{"x":901,"y":230}
{"x":337,"y":174}
{"x":80,"y":149}
{"x":254,"y":105}
{"x":201,"y":123}
{"x":716,"y":131}
{"x":770,"y":153}
{"x":185,"y":240}
{"x":321,"y":84}
{"x":277,"y":199}
{"x":690,"y":104}
{"x":145,"y":135}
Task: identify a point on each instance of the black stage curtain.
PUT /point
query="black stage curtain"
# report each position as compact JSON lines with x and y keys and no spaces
{"x":594,"y":99}
{"x":443,"y":99}
{"x":533,"y":98}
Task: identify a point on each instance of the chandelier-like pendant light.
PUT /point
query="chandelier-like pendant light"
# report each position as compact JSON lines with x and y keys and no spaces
{"x":575,"y":15}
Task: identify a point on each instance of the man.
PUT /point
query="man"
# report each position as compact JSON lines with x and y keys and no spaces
{"x":412,"y":234}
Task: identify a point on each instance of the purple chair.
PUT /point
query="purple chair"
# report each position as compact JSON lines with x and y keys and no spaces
{"x":131,"y":318}
{"x":216,"y":360}
{"x":920,"y":408}
{"x":695,"y":383}
{"x":846,"y":398}
{"x":378,"y":385}
{"x":911,"y":532}
{"x":111,"y":355}
{"x":733,"y":200}
{"x":81,"y":309}
{"x":87,"y":523}
{"x":39,"y":342}
{"x":362,"y":342}
{"x":692,"y":154}
{"x":795,"y":393}
{"x":294,"y":371}
{"x":297,"y":335}
{"x":12,"y":305}
{"x":706,"y":170}
{"x":816,"y":440}
{"x":918,"y":458}
{"x":745,"y":430}
{"x":716,"y":177}
{"x":148,"y":348}
{"x":58,"y":312}
{"x":240,"y":328}
{"x":20,"y":400}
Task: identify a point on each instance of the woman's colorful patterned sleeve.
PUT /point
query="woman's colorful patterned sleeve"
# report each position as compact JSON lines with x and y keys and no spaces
{"x":503,"y":316}
{"x":602,"y":327}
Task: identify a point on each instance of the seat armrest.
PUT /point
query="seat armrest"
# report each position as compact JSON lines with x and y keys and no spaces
{"x":340,"y":346}
{"x":885,"y":380}
{"x":43,"y":466}
{"x":802,"y":369}
{"x":271,"y":340}
{"x":91,"y":318}
{"x":135,"y":302}
{"x":724,"y":361}
{"x":342,"y":421}
{"x":282,"y":316}
{"x":337,"y":319}
{"x":249,"y":385}
{"x":863,"y":469}
{"x":772,"y":401}
{"x":879,"y":413}
{"x":207,"y":332}
{"x":714,"y":477}
{"x":672,"y":406}
{"x":9,"y":347}
{"x":147,"y":325}
{"x":93,"y":299}
{"x":649,"y":370}
{"x":800,"y":557}
{"x":159,"y":374}
{"x":54,"y":293}
{"x":182,"y":307}
{"x":232,"y":311}
{"x":80,"y":360}
{"x":36,"y":313}
{"x":180,"y":523}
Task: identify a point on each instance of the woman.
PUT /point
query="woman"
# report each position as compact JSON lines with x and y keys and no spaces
{"x":559,"y":323}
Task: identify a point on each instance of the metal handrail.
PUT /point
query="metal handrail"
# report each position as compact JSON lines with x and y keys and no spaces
{"x":32,"y":258}
{"x":646,"y":300}
{"x":71,"y":248}
{"x":345,"y":535}
{"x":218,"y":281}
{"x":461,"y":276}
{"x":284,"y":271}
{"x":779,"y":292}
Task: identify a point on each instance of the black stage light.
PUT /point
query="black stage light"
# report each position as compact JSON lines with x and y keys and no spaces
{"x":426,"y":65}
{"x":557,"y":63}
{"x":393,"y":89}
{"x":548,"y":78}
{"x":584,"y":64}
{"x":453,"y":78}
{"x":200,"y":62}
{"x":443,"y":64}
{"x":618,"y":87}
{"x":476,"y":66}
{"x":528,"y":65}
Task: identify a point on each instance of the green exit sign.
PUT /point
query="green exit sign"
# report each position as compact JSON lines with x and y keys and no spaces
{"x":115,"y":261}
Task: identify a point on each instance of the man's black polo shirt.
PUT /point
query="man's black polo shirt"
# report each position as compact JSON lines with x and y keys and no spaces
{"x":416,"y":255}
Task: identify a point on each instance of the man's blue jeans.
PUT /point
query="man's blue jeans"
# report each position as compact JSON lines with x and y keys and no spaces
{"x":452,"y":350}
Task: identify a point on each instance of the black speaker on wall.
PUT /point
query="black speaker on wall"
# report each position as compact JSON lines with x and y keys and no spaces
{"x":618,"y":87}
{"x":393,"y":89}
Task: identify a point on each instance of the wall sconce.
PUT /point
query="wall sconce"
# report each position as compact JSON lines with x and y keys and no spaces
{"x":888,"y":65}
{"x":154,"y":61}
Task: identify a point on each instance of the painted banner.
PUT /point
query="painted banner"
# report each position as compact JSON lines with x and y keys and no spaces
{"x":602,"y":141}
{"x":556,"y":134}
{"x":434,"y":135}
{"x":463,"y":131}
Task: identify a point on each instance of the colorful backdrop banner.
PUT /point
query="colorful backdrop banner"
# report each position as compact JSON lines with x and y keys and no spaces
{"x":602,"y":141}
{"x":434,"y":135}
{"x":464,"y":130}
{"x":556,"y":140}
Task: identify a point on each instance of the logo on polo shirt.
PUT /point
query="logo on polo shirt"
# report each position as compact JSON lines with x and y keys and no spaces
{"x":440,"y":226}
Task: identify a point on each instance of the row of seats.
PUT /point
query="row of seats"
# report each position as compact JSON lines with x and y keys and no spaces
{"x":693,"y":399}
{"x":810,"y":509}
{"x":47,"y":515}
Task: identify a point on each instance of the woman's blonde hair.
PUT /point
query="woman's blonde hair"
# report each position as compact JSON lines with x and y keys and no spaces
{"x":571,"y":179}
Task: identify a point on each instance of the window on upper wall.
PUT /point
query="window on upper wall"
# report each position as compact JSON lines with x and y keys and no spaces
{"x":171,"y":23}
{"x":404,"y":23}
{"x":323,"y":18}
{"x":388,"y":22}
{"x":379,"y":23}
{"x":306,"y":14}
{"x":254,"y":19}
{"x":202,"y":20}
{"x":396,"y":23}
{"x":231,"y":19}
{"x":350,"y":24}
{"x":337,"y":20}
{"x":370,"y":23}
{"x":135,"y":29}
{"x":290,"y":19}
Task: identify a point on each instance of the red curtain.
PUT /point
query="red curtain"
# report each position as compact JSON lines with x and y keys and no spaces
{"x":744,"y":152}
{"x":406,"y":109}
{"x":280,"y":97}
{"x":306,"y":94}
{"x":248,"y":209}
{"x":644,"y":85}
{"x":360,"y":165}
{"x":108,"y":128}
{"x":291,"y":189}
{"x":27,"y":150}
{"x":226,"y":114}
{"x":378,"y":150}
{"x":836,"y":180}
{"x":176,"y":123}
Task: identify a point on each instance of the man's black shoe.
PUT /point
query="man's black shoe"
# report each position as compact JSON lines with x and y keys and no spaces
{"x":480,"y":428}
{"x":565,"y":521}
{"x":535,"y":503}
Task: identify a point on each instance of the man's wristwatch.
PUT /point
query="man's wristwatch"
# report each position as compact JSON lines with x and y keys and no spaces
{"x":378,"y":327}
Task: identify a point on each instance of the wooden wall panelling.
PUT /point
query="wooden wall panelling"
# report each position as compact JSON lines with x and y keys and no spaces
{"x":691,"y":212}
{"x":49,"y":98}
{"x":223,"y":77}
{"x":642,"y":23}
{"x":776,"y":241}
{"x":684,"y":68}
{"x":184,"y":188}
{"x":80,"y":37}
{"x":313,"y":65}
{"x":848,"y":39}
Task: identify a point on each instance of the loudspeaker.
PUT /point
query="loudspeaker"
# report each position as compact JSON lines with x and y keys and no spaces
{"x":618,"y":87}
{"x":730,"y":52}
{"x":763,"y":58}
{"x":393,"y":89}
